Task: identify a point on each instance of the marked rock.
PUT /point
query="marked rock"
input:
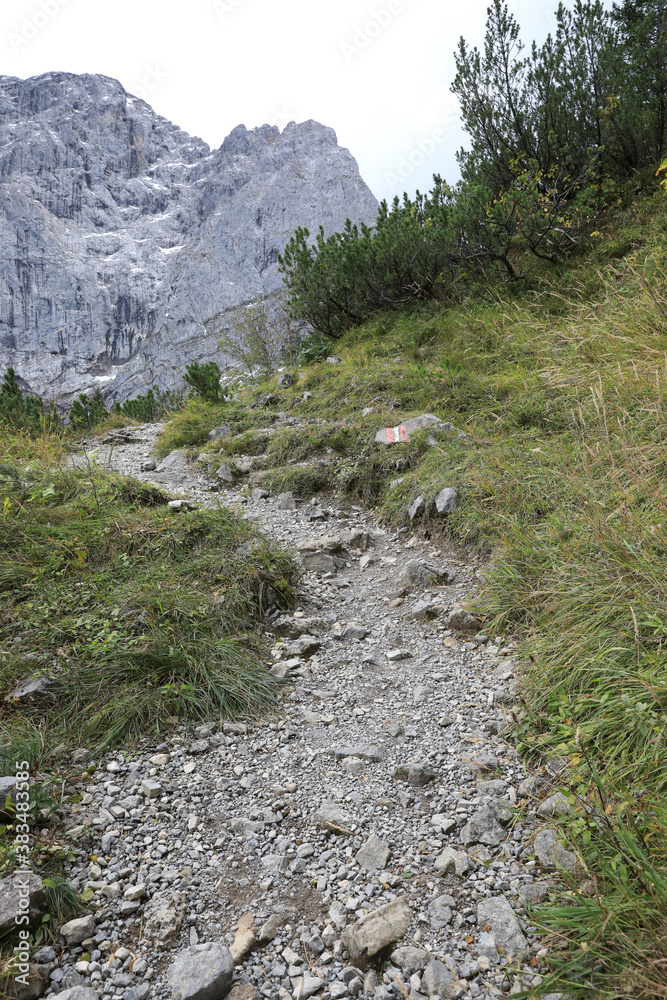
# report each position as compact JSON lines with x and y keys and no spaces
{"x":9,"y":899}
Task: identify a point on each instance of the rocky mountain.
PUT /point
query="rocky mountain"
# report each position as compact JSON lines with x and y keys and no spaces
{"x":124,"y":241}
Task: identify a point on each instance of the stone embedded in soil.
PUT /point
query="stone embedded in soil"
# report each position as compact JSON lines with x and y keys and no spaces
{"x":415,"y":774}
{"x":377,"y":930}
{"x":497,"y":915}
{"x":331,"y":817}
{"x":203,"y":972}
{"x":374,"y":854}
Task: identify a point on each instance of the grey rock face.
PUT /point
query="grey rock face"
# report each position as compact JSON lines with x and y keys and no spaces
{"x":203,"y":972}
{"x":126,"y":241}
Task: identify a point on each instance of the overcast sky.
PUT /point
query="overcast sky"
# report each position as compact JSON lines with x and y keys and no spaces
{"x":378,"y":73}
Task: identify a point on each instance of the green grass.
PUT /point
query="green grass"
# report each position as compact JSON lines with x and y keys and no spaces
{"x":561,"y":389}
{"x":145,"y":615}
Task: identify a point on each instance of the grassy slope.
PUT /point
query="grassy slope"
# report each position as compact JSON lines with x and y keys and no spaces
{"x":144,"y":616}
{"x":562,"y":391}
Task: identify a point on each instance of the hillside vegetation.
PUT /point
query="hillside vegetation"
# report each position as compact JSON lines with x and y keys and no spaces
{"x":528,"y":307}
{"x":561,"y":391}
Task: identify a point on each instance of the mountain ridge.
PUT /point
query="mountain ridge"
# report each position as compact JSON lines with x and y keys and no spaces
{"x":125,"y":241}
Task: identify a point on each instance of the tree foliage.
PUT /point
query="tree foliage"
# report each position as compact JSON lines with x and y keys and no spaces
{"x":204,"y":380}
{"x":555,"y":134}
{"x":24,"y":412}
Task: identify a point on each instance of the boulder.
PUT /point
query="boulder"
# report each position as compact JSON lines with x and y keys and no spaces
{"x":483,"y":828}
{"x":286,"y":501}
{"x":14,"y":891}
{"x":163,"y":916}
{"x":202,"y":972}
{"x":368,"y":937}
{"x":445,"y":501}
{"x":497,"y":916}
{"x":551,"y":854}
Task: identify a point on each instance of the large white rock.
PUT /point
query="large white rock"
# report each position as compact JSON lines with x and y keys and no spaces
{"x":202,"y":972}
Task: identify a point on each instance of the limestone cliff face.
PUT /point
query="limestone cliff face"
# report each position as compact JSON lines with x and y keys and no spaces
{"x":124,"y":241}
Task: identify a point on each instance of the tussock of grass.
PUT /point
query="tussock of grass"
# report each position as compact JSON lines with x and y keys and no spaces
{"x":144,"y":615}
{"x":304,"y":481}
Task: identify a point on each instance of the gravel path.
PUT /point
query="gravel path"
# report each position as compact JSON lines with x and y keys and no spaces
{"x":382,"y":781}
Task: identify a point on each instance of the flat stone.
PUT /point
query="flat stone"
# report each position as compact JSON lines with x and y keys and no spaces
{"x":77,"y":930}
{"x":374,"y":854}
{"x":555,"y":805}
{"x":244,"y":942}
{"x":438,"y":980}
{"x":551,"y":854}
{"x":409,"y":957}
{"x":332,"y":818}
{"x":533,"y":893}
{"x":306,"y":986}
{"x":202,"y":972}
{"x":498,"y":917}
{"x":163,"y":916}
{"x":415,"y":774}
{"x":376,"y":931}
{"x":79,"y":993}
{"x":243,"y":991}
{"x":440,"y":911}
{"x":483,"y":828}
{"x":371,"y":753}
{"x":256,"y":495}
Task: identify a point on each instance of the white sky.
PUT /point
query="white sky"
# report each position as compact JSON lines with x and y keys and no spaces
{"x":377,"y":72}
